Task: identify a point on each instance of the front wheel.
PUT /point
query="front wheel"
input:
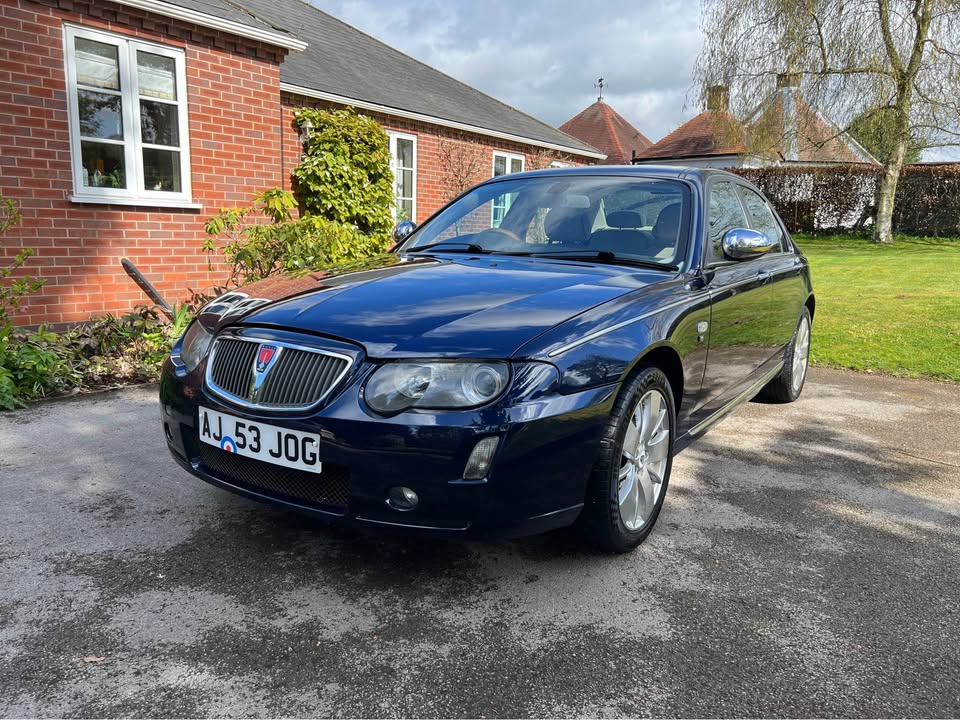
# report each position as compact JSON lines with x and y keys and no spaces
{"x":629,"y":482}
{"x":788,"y":384}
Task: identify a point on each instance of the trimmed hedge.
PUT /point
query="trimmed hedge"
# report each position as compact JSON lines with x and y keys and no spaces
{"x":817,"y":199}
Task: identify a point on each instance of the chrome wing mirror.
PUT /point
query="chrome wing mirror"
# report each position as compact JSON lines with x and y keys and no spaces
{"x":403,"y":229}
{"x":743,"y":244}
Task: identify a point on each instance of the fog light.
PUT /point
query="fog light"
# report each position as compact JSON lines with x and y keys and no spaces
{"x":166,"y":431}
{"x":402,"y":498}
{"x":479,"y":463}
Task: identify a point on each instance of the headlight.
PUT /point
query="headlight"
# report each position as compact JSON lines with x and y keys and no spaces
{"x":437,"y":385}
{"x":195,"y":345}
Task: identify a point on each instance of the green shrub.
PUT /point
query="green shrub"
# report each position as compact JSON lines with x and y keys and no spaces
{"x":345,"y":173}
{"x":13,"y":291}
{"x":254,"y":249}
{"x":31,"y":367}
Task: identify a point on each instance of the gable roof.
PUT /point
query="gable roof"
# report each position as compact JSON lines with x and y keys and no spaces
{"x":786,"y":114}
{"x":345,"y":65}
{"x":709,"y":134}
{"x":606,"y":129}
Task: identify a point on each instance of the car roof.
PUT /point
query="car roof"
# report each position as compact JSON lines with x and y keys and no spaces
{"x":676,"y":172}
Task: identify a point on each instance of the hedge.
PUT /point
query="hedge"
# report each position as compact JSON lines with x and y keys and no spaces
{"x":815,"y":198}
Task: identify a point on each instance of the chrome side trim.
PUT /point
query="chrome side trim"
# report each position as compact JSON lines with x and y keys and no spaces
{"x":741,"y":398}
{"x":613,"y":328}
{"x":244,"y":403}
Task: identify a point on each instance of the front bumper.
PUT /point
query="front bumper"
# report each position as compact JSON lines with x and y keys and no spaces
{"x":537,"y":481}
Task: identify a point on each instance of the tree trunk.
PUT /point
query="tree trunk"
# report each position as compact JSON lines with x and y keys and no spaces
{"x":883,"y":225}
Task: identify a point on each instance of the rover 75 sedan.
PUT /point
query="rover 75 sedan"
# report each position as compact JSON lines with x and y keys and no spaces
{"x":532,"y":356}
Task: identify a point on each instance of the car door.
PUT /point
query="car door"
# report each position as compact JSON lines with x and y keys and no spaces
{"x":784,"y":269}
{"x":740,"y":303}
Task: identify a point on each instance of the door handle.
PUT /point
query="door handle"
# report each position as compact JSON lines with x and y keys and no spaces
{"x":763,"y":276}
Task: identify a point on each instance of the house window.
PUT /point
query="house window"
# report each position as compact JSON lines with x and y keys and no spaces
{"x":403,"y":160}
{"x":504,"y":164}
{"x":128,"y":119}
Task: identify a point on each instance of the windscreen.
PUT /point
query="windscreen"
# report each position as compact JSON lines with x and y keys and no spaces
{"x":644,"y":219}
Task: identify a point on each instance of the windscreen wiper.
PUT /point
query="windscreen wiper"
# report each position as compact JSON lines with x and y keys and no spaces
{"x":603,"y":256}
{"x":455,"y":247}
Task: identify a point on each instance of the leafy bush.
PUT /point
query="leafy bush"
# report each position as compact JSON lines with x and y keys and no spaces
{"x":13,"y":291}
{"x":345,"y":174}
{"x":31,"y":367}
{"x":254,"y":249}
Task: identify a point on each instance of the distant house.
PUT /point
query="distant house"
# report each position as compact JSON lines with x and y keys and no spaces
{"x":605,"y":129}
{"x":125,"y":124}
{"x":784,"y":129}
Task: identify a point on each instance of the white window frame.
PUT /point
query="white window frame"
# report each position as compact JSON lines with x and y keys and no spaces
{"x":134,"y":193}
{"x":394,"y":136}
{"x":507,"y":161}
{"x":507,"y":158}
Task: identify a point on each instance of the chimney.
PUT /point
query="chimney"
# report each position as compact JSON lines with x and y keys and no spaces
{"x":788,"y":80}
{"x":718,"y":98}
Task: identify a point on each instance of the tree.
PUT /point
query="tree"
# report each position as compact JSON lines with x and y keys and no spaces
{"x":854,"y":56}
{"x":874,"y":129}
{"x":462,"y":164}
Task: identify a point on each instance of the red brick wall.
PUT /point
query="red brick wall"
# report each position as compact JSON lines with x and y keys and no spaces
{"x":235,"y":145}
{"x":434,"y":184}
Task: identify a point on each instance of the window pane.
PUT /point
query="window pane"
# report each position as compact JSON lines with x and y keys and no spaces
{"x":157,"y":75}
{"x":405,"y":183}
{"x":726,"y":213}
{"x":499,"y":165}
{"x":161,"y":170}
{"x":404,"y":153}
{"x":404,"y":210}
{"x":760,"y":216}
{"x":159,"y":123}
{"x":97,"y":64}
{"x":102,"y":165}
{"x":100,"y":115}
{"x":516,"y":165}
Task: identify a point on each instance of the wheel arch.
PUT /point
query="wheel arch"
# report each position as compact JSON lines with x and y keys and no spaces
{"x":811,"y":305}
{"x":665,"y":358}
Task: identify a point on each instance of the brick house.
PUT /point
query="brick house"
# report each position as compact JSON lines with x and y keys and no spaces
{"x":783,"y":129}
{"x":125,"y":124}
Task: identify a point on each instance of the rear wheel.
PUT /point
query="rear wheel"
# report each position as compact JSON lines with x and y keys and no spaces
{"x":787,"y":386}
{"x":629,"y":481}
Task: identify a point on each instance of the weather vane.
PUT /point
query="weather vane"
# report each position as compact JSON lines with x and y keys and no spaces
{"x":600,"y":84}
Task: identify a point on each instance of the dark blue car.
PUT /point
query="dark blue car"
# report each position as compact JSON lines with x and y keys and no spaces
{"x":530,"y":357}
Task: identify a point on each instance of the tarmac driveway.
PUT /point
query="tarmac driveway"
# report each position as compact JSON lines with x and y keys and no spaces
{"x":806,"y":564}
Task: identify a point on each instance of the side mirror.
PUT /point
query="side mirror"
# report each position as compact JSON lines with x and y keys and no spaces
{"x":743,"y":244}
{"x":403,"y":229}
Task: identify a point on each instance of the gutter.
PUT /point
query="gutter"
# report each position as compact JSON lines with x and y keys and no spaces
{"x":213,"y":22}
{"x":433,"y":120}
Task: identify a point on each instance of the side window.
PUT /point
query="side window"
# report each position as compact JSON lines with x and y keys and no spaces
{"x":761,"y":218}
{"x":726,"y":213}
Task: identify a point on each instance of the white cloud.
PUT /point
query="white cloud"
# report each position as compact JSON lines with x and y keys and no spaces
{"x":543,"y":56}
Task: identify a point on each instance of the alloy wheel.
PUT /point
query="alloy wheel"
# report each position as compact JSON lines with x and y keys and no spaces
{"x":801,"y":354}
{"x":644,"y":458}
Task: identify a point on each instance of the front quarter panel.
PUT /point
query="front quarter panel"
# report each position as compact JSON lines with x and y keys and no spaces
{"x":602,"y":346}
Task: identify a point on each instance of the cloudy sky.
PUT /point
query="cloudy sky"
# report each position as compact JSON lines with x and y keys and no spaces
{"x":543,"y":56}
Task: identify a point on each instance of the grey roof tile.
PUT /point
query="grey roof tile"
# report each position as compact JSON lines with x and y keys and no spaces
{"x":343,"y":61}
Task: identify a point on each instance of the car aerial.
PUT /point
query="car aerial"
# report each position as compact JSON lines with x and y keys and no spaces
{"x":531,"y":357}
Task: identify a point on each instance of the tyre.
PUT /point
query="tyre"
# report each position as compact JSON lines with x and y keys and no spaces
{"x":788,"y":384}
{"x":629,"y":481}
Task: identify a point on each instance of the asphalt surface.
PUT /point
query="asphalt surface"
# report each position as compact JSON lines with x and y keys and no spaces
{"x":806,"y":563}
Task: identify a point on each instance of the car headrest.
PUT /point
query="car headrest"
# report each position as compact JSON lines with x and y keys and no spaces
{"x":624,"y":219}
{"x":668,"y":223}
{"x":566,"y":225}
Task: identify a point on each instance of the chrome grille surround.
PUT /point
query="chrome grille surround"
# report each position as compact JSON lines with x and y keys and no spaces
{"x":299,"y":378}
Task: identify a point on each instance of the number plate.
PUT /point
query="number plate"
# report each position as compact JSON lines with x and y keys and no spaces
{"x":261,"y":441}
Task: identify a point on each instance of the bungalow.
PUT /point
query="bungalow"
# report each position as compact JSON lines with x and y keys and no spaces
{"x":783,"y":129}
{"x":604,"y":128}
{"x":124,"y":124}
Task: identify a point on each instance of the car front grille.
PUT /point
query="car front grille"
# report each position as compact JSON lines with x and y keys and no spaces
{"x":329,"y":489}
{"x":299,"y":378}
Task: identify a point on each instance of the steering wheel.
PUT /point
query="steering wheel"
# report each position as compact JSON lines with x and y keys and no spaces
{"x":503,"y":231}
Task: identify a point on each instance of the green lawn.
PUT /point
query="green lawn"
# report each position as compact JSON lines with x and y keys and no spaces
{"x":891,"y":309}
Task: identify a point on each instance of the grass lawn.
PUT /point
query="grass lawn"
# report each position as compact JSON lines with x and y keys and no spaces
{"x":892,"y":309}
